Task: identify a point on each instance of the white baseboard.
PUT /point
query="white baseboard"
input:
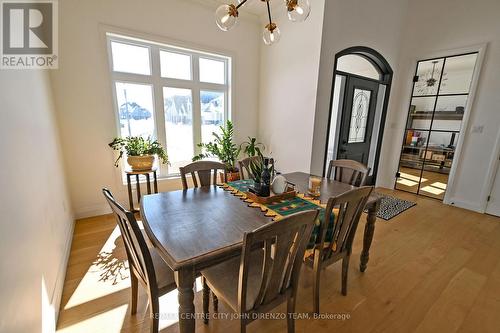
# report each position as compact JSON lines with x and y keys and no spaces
{"x":94,"y":210}
{"x":61,"y":274}
{"x":474,"y":206}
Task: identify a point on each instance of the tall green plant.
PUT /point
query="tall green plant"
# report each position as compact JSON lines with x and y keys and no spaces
{"x":222,"y":147}
{"x":138,"y":146}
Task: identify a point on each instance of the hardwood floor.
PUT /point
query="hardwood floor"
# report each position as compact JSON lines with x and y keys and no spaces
{"x":433,"y":184}
{"x":434,"y":268}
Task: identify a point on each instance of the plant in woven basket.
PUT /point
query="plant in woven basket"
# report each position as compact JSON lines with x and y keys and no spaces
{"x":137,"y":146}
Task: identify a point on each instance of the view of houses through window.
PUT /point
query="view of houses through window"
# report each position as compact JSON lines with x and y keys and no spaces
{"x":177,"y":96}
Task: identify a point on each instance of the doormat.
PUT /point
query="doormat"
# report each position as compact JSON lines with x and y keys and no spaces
{"x":391,"y":207}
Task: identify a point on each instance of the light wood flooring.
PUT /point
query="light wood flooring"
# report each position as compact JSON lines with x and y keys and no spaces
{"x":433,"y":184}
{"x":434,"y":268}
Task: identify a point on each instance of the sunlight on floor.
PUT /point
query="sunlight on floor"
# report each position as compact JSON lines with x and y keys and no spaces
{"x":107,"y":322}
{"x":105,"y":278}
{"x":169,"y":309}
{"x":406,"y":182}
{"x":439,"y":185}
{"x":107,"y":275}
{"x":411,"y":177}
{"x":432,"y":190}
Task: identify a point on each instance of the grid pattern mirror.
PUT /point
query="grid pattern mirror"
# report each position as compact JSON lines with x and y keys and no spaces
{"x":178,"y":96}
{"x":439,"y":99}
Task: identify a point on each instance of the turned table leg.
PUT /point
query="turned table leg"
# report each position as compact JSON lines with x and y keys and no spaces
{"x":368,"y":236}
{"x":185,"y":281}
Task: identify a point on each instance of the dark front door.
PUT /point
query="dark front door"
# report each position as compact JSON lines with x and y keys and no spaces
{"x":358,"y":115}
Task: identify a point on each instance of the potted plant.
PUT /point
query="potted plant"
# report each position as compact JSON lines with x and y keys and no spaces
{"x":140,"y":152}
{"x":257,"y":166}
{"x":252,"y":148}
{"x":224,"y":148}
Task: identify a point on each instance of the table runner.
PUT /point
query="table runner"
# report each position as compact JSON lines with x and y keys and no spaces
{"x":282,"y":208}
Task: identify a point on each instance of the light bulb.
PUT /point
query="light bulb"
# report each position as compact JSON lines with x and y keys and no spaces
{"x":271,"y":34}
{"x":226,"y":17}
{"x":298,"y":10}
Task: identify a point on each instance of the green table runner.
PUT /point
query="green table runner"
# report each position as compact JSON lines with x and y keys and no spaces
{"x":286,"y":207}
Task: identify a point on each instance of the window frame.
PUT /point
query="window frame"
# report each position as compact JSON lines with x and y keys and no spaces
{"x":158,"y":83}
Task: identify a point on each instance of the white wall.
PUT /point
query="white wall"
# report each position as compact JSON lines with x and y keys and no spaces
{"x":83,"y":89}
{"x":37,"y":224}
{"x":403,"y":32}
{"x":376,"y":24}
{"x":288,"y":83}
{"x":450,"y":25}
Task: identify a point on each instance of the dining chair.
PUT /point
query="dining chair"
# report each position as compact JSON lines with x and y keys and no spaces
{"x":348,"y":171}
{"x":267,"y":273}
{"x":204,"y":171}
{"x":145,"y":264}
{"x":244,"y":166}
{"x":348,"y":207}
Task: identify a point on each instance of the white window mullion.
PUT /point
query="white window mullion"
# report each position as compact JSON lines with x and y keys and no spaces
{"x":159,"y":112}
{"x":196,"y":105}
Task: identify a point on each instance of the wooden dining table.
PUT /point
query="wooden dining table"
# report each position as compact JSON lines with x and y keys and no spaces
{"x":201,"y":227}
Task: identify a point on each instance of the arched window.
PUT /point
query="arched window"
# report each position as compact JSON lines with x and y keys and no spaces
{"x":357,"y":65}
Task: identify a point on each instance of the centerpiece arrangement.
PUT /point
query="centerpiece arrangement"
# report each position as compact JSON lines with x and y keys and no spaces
{"x":268,"y":186}
{"x":140,"y":152}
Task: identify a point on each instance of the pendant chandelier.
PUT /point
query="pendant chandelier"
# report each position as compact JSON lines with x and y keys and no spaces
{"x":226,"y":17}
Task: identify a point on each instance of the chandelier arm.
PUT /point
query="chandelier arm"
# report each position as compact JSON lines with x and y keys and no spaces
{"x":269,"y":13}
{"x":241,"y":4}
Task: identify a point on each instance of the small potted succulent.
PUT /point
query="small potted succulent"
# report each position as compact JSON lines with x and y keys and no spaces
{"x":223,"y":148}
{"x":140,"y":152}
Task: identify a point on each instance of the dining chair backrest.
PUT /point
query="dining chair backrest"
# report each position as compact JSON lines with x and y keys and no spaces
{"x":284,"y":244}
{"x":205,"y":171}
{"x":348,"y":171}
{"x":350,"y":205}
{"x":138,"y":254}
{"x":244,"y":166}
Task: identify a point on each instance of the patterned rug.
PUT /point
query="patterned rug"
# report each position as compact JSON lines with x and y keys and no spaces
{"x":391,"y":207}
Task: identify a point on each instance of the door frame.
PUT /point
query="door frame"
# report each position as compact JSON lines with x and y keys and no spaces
{"x":493,"y":172}
{"x":448,"y":198}
{"x":386,"y":74}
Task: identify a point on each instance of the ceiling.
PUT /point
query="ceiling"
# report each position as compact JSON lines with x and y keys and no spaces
{"x":256,"y":7}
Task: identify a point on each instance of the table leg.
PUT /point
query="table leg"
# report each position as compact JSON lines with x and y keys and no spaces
{"x":148,"y":183}
{"x":368,"y":236}
{"x":130,"y":199}
{"x":185,"y":282}
{"x":138,"y":187}
{"x":156,"y":182}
